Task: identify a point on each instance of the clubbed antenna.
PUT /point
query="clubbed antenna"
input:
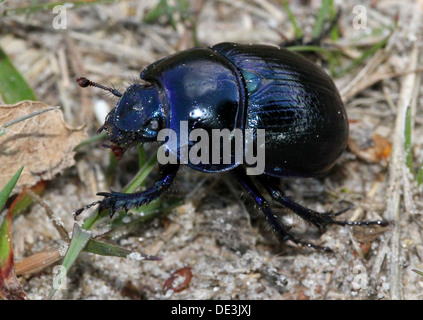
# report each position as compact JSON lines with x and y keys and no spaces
{"x":84,"y":82}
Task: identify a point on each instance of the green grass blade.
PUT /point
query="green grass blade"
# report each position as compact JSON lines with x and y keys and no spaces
{"x":13,"y":87}
{"x":308,"y":48}
{"x":106,"y":249}
{"x":142,"y":174}
{"x":291,"y":17}
{"x":82,"y":238}
{"x":34,"y":7}
{"x":420,"y":175}
{"x":79,"y":240}
{"x":320,"y":20}
{"x":6,"y":249}
{"x":112,"y":250}
{"x":407,"y":142}
{"x":24,"y":200}
{"x":142,"y":156}
{"x":111,"y":168}
{"x":334,"y":33}
{"x":7,"y":189}
{"x":420,"y":273}
{"x":91,"y":140}
{"x":371,"y":51}
{"x":162,"y":8}
{"x":147,"y":212}
{"x":136,"y":182}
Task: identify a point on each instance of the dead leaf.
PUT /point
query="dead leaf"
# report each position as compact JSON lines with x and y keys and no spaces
{"x":179,"y":280}
{"x":24,"y":200}
{"x":367,"y":145}
{"x":365,"y":235}
{"x":43,"y":144}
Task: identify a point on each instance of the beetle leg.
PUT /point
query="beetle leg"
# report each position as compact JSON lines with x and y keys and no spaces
{"x":320,"y":220}
{"x":280,"y":229}
{"x":115,"y":201}
{"x":316,"y":40}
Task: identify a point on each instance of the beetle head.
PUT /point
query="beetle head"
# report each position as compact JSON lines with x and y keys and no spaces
{"x":138,"y":116}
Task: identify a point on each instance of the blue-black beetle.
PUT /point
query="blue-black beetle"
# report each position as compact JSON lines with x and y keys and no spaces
{"x":239,"y":86}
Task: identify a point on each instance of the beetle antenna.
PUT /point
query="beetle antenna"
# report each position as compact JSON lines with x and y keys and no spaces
{"x":84,"y":82}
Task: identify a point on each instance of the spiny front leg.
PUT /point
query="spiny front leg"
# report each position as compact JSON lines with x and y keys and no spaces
{"x":116,"y":201}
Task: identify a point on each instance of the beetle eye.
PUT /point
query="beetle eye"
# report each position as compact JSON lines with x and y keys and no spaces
{"x":153,"y":125}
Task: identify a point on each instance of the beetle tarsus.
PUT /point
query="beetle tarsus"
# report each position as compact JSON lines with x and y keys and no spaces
{"x":382,"y":223}
{"x":79,"y":211}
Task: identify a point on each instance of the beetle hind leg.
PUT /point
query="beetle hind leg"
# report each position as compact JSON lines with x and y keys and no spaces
{"x":280,"y":229}
{"x":320,"y":220}
{"x":317,"y":39}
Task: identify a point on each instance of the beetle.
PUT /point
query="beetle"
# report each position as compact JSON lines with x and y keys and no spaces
{"x":237,"y":86}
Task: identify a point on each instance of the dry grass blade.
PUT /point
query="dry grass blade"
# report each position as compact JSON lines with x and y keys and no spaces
{"x":36,"y":262}
{"x":112,"y":48}
{"x":397,"y":164}
{"x":53,"y":218}
{"x":350,"y":91}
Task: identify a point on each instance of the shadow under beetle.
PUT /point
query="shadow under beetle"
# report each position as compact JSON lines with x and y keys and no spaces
{"x":239,"y":86}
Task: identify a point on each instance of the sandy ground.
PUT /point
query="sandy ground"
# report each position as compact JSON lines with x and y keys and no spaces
{"x":218,"y":233}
